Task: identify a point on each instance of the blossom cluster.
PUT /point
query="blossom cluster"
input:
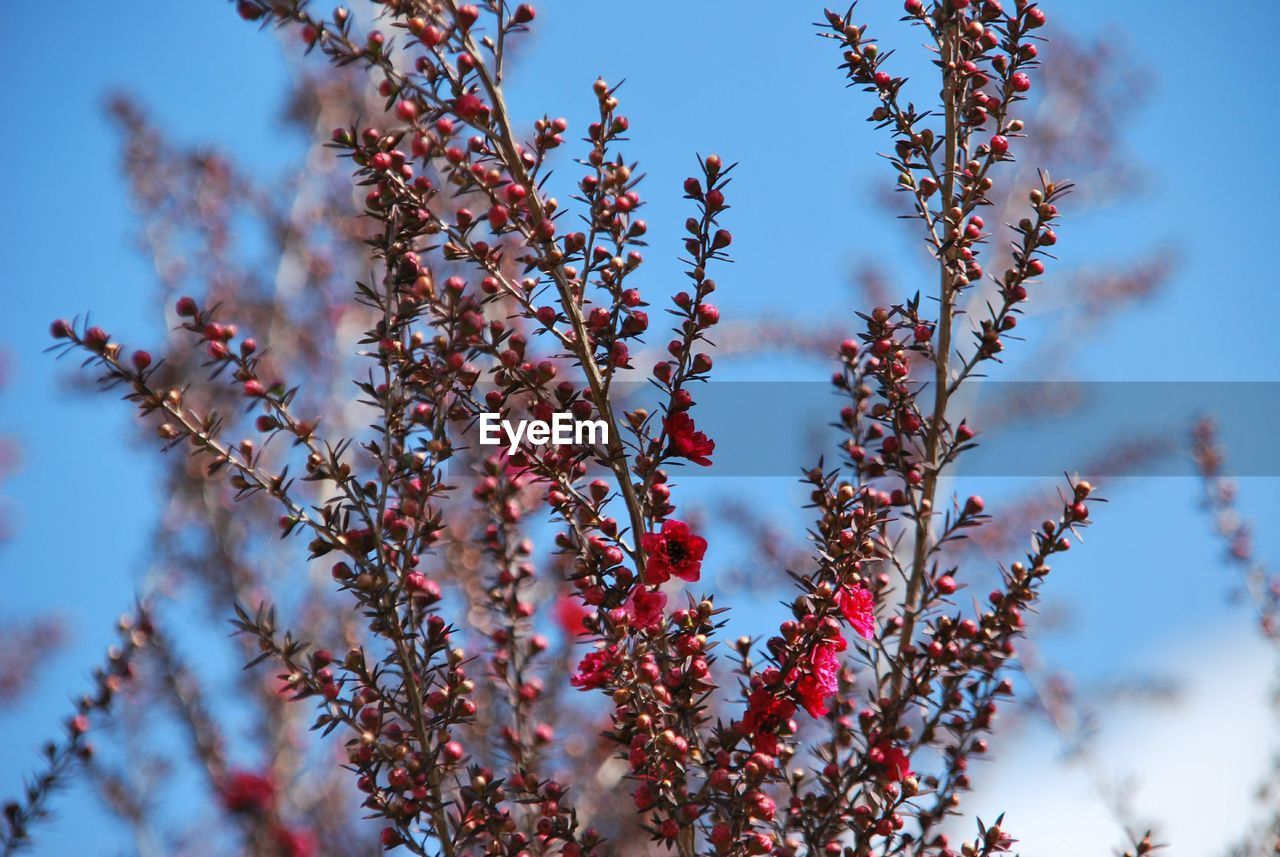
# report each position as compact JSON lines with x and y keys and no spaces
{"x":847,"y":728}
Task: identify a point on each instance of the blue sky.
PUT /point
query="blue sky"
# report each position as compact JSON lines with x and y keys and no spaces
{"x":748,"y":80}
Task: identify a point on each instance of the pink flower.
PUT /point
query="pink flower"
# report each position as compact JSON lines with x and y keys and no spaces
{"x":675,"y":551}
{"x":859,"y":608}
{"x":645,"y":607}
{"x":295,"y":843}
{"x":821,"y":679}
{"x":596,"y":669}
{"x":687,"y":441}
{"x":571,"y":615}
{"x":245,"y":791}
{"x":766,"y":712}
{"x":890,"y":757}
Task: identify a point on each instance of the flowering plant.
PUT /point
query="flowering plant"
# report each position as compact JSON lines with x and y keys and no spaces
{"x":849,"y":727}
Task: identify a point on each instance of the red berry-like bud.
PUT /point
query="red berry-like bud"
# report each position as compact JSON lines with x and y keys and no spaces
{"x":914,"y":7}
{"x":999,"y":144}
{"x":431,"y":36}
{"x":524,"y":13}
{"x":60,"y":329}
{"x":974,"y":505}
{"x":1035,"y":18}
{"x":467,"y":15}
{"x":407,"y":111}
{"x":946,"y":584}
{"x":141,"y":360}
{"x":248,"y":11}
{"x":96,"y":338}
{"x":187,"y":307}
{"x":1020,"y":82}
{"x":253,"y":388}
{"x":883,"y":79}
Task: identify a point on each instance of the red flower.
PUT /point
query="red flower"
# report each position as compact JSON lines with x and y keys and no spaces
{"x":821,"y":680}
{"x":766,"y":712}
{"x":596,"y":669}
{"x":571,"y":615}
{"x":645,"y":607}
{"x":890,"y":757}
{"x":675,"y":551}
{"x":295,"y":843}
{"x":245,"y":791}
{"x":686,"y":440}
{"x":859,"y":608}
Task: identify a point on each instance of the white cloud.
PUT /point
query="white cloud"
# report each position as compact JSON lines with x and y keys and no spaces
{"x":1194,"y":762}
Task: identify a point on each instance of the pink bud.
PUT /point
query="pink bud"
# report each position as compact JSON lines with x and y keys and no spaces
{"x":431,"y":36}
{"x":407,"y":111}
{"x":96,"y":338}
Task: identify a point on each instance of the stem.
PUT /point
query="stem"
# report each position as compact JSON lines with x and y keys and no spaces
{"x":617,"y":458}
{"x":941,"y":392}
